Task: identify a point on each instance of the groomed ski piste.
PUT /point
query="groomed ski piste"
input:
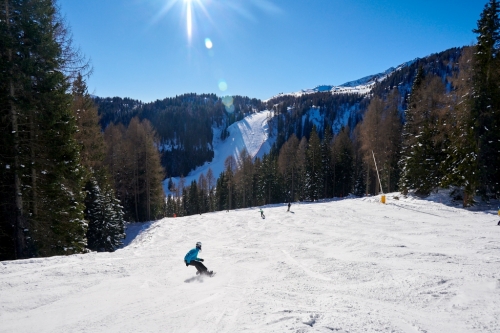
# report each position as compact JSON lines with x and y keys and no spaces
{"x":251,"y":133}
{"x":343,"y":265}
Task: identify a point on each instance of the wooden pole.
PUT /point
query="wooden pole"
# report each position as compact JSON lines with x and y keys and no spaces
{"x":377,"y":173}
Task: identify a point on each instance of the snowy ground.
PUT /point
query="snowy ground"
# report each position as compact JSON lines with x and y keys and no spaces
{"x":351,"y":265}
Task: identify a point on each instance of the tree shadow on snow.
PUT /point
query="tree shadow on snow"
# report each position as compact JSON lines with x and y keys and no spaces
{"x":132,"y":230}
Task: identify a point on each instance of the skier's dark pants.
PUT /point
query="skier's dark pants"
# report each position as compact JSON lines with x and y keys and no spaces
{"x":199,"y":266}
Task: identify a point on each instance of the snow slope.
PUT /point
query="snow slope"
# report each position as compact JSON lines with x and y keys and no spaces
{"x":361,"y":86}
{"x":351,"y":265}
{"x":251,"y":133}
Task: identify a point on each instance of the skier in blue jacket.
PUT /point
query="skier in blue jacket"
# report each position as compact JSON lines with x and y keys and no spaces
{"x":191,"y":259}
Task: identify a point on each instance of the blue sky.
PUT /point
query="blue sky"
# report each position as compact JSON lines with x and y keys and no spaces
{"x":259,"y":47}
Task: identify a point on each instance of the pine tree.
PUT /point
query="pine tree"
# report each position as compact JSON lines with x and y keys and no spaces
{"x":392,"y":129}
{"x":424,"y":154}
{"x":327,"y":163}
{"x":342,"y":151}
{"x":314,"y":168}
{"x":485,"y":111}
{"x":301,"y":169}
{"x":409,"y":134}
{"x":42,"y":186}
{"x":221,"y":194}
{"x":170,"y":206}
{"x":359,"y":177}
{"x":105,"y":215}
{"x":460,"y":165}
{"x":102,"y":210}
{"x":192,"y":199}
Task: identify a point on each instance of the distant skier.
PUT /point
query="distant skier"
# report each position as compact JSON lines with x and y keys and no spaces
{"x":262,"y":213}
{"x":289,"y":204}
{"x":192,"y":259}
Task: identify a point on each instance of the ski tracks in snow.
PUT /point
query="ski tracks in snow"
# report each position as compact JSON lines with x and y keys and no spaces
{"x":349,"y":265}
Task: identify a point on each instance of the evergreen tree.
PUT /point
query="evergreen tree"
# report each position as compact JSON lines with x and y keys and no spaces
{"x":171,"y":209}
{"x":359,"y":177}
{"x":203,"y":194}
{"x":343,"y":166}
{"x":42,"y":199}
{"x":105,"y":216}
{"x":314,"y":168}
{"x":102,"y":210}
{"x":409,"y":135}
{"x":460,"y":165}
{"x":423,"y":169}
{"x":301,"y":169}
{"x":391,"y":131}
{"x":327,"y":163}
{"x":192,"y":199}
{"x":221,"y":194}
{"x":485,"y":110}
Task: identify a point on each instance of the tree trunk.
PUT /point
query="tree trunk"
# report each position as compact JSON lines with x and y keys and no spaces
{"x":19,"y":222}
{"x":148,"y":194}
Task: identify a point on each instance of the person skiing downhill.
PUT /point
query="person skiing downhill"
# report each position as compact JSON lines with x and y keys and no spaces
{"x":262,"y":213}
{"x":289,"y":204}
{"x":191,"y":259}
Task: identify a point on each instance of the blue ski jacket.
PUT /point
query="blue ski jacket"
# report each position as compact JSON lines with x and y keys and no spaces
{"x":191,"y":255}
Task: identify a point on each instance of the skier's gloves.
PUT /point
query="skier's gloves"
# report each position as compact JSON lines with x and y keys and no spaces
{"x":200,"y":259}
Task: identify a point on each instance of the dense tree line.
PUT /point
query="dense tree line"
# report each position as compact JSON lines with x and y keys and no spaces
{"x":184,"y":124}
{"x":57,"y":193}
{"x":134,"y":161}
{"x":41,"y":184}
{"x":311,"y":169}
{"x":453,"y":138}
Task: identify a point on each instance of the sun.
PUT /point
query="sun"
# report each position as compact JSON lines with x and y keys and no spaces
{"x":188,"y":6}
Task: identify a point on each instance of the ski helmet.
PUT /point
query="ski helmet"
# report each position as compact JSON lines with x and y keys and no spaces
{"x":198,"y":245}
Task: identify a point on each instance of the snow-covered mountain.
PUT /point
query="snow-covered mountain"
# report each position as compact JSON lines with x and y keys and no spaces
{"x":251,"y":133}
{"x":360,"y":86}
{"x":352,"y":265}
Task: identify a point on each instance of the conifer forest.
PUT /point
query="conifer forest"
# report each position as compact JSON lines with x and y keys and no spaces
{"x":75,"y":167}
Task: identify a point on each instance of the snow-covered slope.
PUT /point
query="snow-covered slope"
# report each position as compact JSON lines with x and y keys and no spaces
{"x":351,"y":265}
{"x":360,"y":86}
{"x":251,"y":133}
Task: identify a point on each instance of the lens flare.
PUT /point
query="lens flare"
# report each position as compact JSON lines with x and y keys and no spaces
{"x":228,"y":103}
{"x":208,"y":43}
{"x":222,"y":85}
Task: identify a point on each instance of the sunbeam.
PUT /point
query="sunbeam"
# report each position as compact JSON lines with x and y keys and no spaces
{"x":223,"y":8}
{"x":189,"y":19}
